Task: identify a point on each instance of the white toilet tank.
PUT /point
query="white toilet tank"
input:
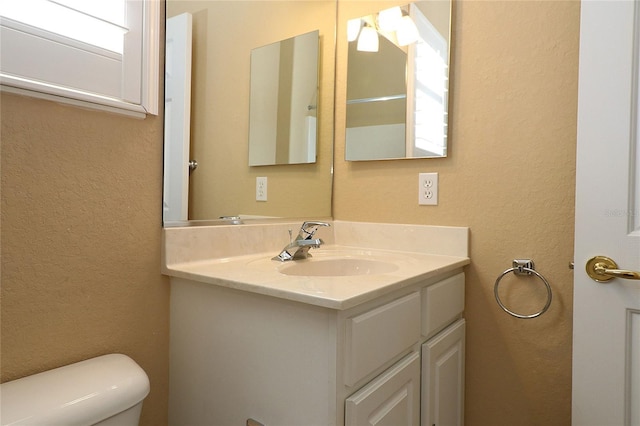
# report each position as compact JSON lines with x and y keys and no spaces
{"x":106,"y":391}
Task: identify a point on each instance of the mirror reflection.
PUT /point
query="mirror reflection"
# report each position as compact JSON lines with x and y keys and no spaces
{"x":216,"y":120}
{"x":397,"y":82}
{"x":283,"y":102}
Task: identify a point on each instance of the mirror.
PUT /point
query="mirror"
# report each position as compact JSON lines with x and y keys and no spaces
{"x":283,"y":102}
{"x":397,"y":82}
{"x":224,"y":33}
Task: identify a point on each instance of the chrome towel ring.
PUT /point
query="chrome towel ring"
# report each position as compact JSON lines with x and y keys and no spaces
{"x":523,"y":267}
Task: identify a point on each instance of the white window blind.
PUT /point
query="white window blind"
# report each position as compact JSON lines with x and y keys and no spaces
{"x":431,"y":85}
{"x":98,"y":51}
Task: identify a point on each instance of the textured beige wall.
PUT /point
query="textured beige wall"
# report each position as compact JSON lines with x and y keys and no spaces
{"x":81,"y":227}
{"x":81,"y":205}
{"x":510,"y":178}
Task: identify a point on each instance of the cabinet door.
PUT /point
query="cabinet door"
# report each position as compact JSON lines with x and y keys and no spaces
{"x":391,"y":399}
{"x":379,"y":335}
{"x":443,"y":378}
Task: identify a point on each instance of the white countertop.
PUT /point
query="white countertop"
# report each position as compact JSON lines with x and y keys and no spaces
{"x":257,"y":273}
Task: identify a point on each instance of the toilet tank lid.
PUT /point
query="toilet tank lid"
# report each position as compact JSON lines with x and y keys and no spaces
{"x":83,"y":393}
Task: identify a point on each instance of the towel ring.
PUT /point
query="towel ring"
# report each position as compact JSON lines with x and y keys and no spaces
{"x":523,"y":267}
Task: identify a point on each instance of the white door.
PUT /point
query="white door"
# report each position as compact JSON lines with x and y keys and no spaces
{"x":606,"y":337}
{"x":177,"y":117}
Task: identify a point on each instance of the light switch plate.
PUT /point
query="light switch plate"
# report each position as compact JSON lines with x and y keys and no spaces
{"x":428,"y":189}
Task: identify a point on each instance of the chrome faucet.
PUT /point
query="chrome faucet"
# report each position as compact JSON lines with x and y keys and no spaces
{"x":299,"y":248}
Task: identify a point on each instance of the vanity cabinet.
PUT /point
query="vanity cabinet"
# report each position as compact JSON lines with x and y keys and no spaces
{"x":397,"y":358}
{"x":426,"y":384}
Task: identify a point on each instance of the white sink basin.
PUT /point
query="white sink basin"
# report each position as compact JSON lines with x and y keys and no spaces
{"x":336,"y":267}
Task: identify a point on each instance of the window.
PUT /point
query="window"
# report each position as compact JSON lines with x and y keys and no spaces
{"x":430,"y":87}
{"x":100,"y":53}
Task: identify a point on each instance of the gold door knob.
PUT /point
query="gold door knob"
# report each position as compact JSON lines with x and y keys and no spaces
{"x":603,"y":269}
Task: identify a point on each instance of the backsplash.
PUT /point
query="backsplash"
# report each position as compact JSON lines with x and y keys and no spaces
{"x":192,"y":244}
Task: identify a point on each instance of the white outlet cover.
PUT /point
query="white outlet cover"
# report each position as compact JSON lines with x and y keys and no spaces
{"x":261,"y":189}
{"x":428,"y":189}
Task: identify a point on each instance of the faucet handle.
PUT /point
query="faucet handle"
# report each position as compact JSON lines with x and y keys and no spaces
{"x":308,"y":229}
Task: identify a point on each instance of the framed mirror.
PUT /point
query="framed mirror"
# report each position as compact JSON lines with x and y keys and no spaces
{"x":283,"y":101}
{"x":398,"y":82}
{"x":223,"y":35}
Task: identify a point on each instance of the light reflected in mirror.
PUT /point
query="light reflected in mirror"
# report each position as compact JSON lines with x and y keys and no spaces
{"x":224,"y":33}
{"x":397,"y":82}
{"x":284,"y":101}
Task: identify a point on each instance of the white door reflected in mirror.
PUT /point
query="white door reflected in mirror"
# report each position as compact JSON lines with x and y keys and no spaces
{"x":177,"y":118}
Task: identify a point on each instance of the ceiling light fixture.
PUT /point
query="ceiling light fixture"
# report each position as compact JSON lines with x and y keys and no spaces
{"x":407,"y":32}
{"x":390,"y":19}
{"x":393,"y":23}
{"x":353,"y":28}
{"x":368,"y":40}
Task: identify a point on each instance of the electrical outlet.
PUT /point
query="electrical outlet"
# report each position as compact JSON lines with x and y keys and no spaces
{"x":261,"y":189}
{"x":428,"y":189}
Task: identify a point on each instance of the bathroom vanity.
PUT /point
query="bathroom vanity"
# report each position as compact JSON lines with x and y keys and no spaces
{"x":374,"y":335}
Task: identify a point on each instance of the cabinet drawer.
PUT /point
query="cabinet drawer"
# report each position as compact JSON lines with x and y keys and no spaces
{"x":393,"y":398}
{"x":441,"y":304}
{"x":375,"y":337}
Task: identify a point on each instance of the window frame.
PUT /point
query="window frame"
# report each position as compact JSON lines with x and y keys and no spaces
{"x":147,"y":68}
